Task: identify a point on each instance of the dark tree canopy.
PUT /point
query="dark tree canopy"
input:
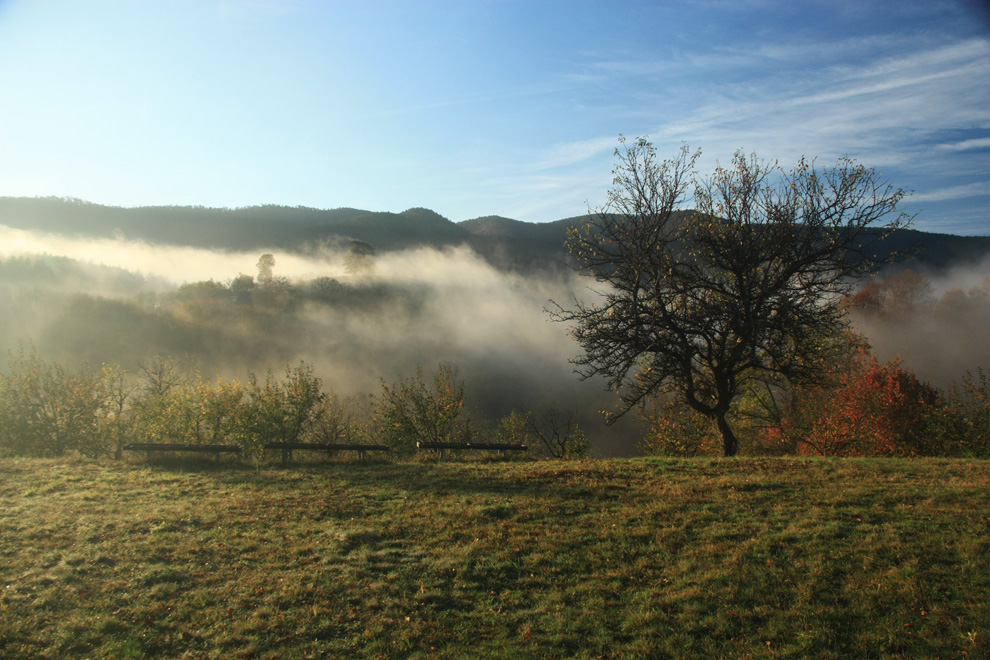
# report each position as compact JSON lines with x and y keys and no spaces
{"x":265,"y":265}
{"x":700,"y":304}
{"x":360,"y":259}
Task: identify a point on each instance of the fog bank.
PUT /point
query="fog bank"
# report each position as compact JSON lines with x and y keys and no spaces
{"x":411,"y":308}
{"x":124,"y":302}
{"x":936,"y":322}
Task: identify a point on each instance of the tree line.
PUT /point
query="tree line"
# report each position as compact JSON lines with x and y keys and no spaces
{"x":864,"y":407}
{"x":47,"y":409}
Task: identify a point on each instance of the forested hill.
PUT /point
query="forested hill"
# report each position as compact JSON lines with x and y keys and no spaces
{"x":505,"y":242}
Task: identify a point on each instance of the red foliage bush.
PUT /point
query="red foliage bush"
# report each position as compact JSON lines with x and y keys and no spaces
{"x":872,"y":409}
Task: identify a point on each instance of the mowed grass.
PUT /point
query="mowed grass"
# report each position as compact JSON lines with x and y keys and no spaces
{"x":745,"y":558}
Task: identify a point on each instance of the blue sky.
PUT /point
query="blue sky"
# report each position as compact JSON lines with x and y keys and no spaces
{"x":482,"y":108}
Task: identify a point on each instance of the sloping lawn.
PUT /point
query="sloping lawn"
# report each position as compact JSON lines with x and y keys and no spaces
{"x":743,"y":558}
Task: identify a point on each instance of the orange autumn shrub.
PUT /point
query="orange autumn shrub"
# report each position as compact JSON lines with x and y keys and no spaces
{"x":873,"y":409}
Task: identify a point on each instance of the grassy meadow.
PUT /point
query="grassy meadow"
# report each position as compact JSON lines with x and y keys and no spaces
{"x":741,"y":558}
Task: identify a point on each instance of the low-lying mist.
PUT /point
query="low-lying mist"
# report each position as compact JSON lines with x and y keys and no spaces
{"x":169,"y":263}
{"x":936,"y":322}
{"x":125,"y":302}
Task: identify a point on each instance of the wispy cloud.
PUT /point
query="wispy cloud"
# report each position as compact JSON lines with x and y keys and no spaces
{"x":965,"y":145}
{"x":979,"y":189}
{"x":954,"y":64}
{"x":863,"y":109}
{"x":570,"y":153}
{"x":887,"y":102}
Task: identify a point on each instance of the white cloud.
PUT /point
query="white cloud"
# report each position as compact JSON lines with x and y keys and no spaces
{"x":571,"y":153}
{"x":965,"y":145}
{"x":978,"y":189}
{"x":859,"y":110}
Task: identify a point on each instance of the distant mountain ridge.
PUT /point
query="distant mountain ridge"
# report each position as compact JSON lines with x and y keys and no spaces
{"x":506,"y":243}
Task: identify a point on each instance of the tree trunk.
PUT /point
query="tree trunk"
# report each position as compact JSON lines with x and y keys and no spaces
{"x":730,"y":445}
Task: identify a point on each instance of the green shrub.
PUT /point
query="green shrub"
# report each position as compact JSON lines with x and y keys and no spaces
{"x":673,"y":429}
{"x":412,"y":411}
{"x":279,"y":411}
{"x":970,"y":400}
{"x":47,"y":410}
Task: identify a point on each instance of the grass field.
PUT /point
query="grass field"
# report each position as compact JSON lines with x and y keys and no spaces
{"x":744,"y":558}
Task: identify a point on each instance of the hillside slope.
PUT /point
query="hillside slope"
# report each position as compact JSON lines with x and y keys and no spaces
{"x":506,"y":243}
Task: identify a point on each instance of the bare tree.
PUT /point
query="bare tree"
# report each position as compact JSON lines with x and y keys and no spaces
{"x":559,"y":434}
{"x":745,"y":287}
{"x":161,"y":376}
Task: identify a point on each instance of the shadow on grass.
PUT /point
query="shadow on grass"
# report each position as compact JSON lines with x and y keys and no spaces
{"x":186,"y":464}
{"x":471,"y":477}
